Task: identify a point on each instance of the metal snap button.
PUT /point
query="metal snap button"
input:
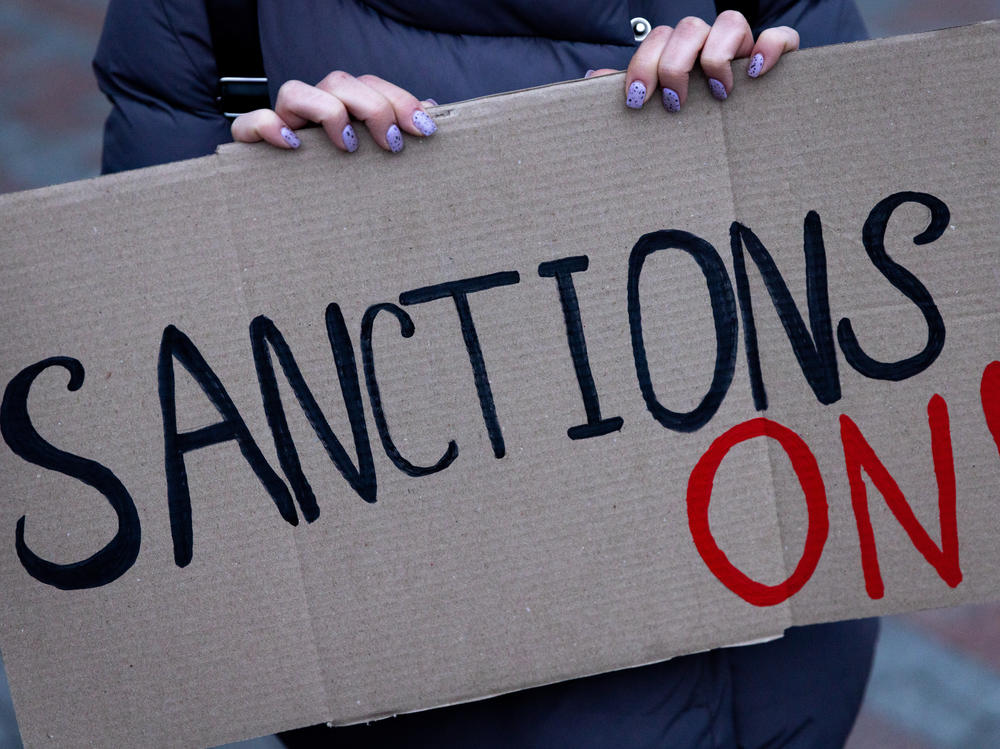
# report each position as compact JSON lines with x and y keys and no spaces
{"x":640,"y":28}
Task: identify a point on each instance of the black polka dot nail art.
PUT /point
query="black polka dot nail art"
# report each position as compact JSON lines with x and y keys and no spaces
{"x":395,"y":139}
{"x":718,"y":89}
{"x":290,"y":138}
{"x":350,"y":139}
{"x":636,"y":96}
{"x":671,"y":101}
{"x":423,"y":122}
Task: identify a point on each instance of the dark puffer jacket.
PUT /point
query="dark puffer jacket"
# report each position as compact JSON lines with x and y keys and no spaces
{"x":155,"y":59}
{"x":155,"y":63}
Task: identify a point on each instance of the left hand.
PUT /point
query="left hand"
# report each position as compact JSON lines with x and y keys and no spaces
{"x":668,"y":55}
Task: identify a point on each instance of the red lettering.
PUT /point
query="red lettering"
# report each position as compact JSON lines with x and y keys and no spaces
{"x":858,"y":455}
{"x":699,"y":495}
{"x":989,"y":392}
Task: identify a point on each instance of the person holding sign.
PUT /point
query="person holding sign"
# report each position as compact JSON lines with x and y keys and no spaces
{"x":390,"y":61}
{"x":664,"y":60}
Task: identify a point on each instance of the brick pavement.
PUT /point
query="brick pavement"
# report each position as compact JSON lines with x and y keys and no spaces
{"x":937,"y":677}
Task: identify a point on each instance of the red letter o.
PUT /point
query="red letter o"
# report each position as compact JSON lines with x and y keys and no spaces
{"x":699,"y":495}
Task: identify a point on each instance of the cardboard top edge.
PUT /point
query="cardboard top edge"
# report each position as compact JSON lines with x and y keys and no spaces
{"x":453,"y":110}
{"x":148,"y":176}
{"x":168,"y":172}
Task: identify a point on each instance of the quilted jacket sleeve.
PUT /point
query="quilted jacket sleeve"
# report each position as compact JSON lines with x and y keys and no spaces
{"x":155,"y":64}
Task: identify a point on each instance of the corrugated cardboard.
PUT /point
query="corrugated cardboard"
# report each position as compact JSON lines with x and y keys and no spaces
{"x":544,"y":557}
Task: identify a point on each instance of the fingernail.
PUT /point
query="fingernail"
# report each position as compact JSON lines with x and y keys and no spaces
{"x":671,"y":101}
{"x":395,"y":139}
{"x":423,"y":122}
{"x":588,"y":73}
{"x":756,"y":65}
{"x":636,"y":95}
{"x":290,"y":138}
{"x":718,"y":89}
{"x":432,"y":102}
{"x":350,"y":139}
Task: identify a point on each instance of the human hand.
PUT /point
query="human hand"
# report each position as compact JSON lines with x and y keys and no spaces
{"x":667,"y":56}
{"x":386,"y":109}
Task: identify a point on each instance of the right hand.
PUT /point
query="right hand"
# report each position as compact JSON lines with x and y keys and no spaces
{"x":668,"y":55}
{"x":386,"y":110}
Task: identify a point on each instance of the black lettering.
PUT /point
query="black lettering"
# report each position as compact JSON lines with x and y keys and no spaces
{"x":459,"y":291}
{"x":815,"y":353}
{"x":873,"y":237}
{"x":120,"y":553}
{"x":406,"y":329}
{"x":563,"y":270}
{"x":264,"y":335}
{"x":723,"y":312}
{"x":176,"y":344}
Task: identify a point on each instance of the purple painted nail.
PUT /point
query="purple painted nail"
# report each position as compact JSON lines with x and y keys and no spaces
{"x":588,"y":73}
{"x":756,"y":65}
{"x":350,"y":139}
{"x":432,"y":102}
{"x":395,"y":139}
{"x":290,"y":138}
{"x":718,"y":89}
{"x":636,"y":95}
{"x":424,"y":123}
{"x":671,"y":101}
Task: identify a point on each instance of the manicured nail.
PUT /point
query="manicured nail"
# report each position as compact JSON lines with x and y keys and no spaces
{"x":350,"y":139}
{"x":423,"y":123}
{"x":671,"y":101}
{"x":718,"y":89}
{"x":588,"y":73}
{"x":756,"y":65}
{"x":290,"y":138}
{"x":432,"y":102}
{"x":636,"y":95}
{"x":395,"y":139}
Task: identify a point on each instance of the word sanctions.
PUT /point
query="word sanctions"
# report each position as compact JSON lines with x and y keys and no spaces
{"x":813,"y":345}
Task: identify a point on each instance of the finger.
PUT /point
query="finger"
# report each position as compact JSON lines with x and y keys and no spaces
{"x":771,"y":45}
{"x":678,"y":60}
{"x":729,"y":38}
{"x":408,"y":112}
{"x":366,"y":104}
{"x":299,"y":103}
{"x":599,"y":71}
{"x":263,"y":124}
{"x":640,"y":77}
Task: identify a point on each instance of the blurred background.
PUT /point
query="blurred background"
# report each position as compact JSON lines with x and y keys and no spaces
{"x":936,"y":680}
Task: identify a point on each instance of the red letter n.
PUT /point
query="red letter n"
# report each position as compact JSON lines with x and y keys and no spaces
{"x":858,"y":455}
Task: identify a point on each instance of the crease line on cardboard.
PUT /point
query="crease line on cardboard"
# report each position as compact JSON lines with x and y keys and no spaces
{"x":787,"y":610}
{"x":226,"y":165}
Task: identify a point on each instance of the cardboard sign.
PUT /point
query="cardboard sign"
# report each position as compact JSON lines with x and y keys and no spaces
{"x":297,"y":436}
